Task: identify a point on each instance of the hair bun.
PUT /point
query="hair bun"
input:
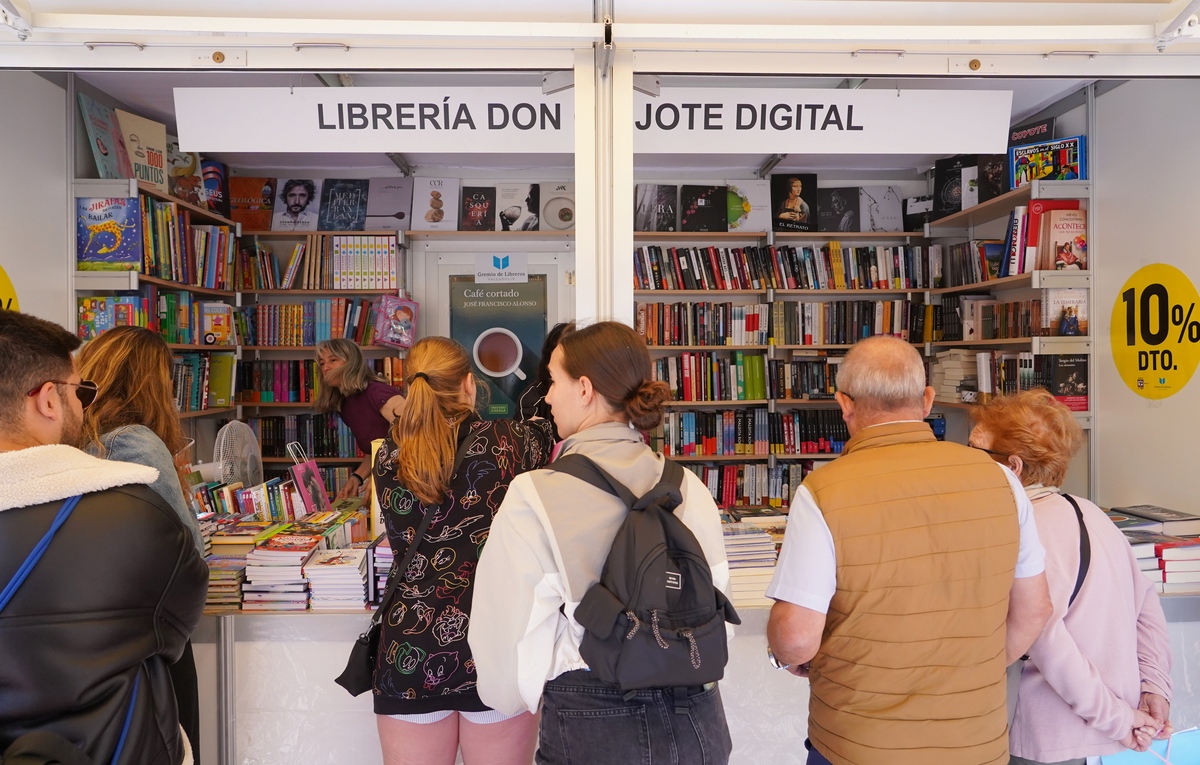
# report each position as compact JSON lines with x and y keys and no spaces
{"x":644,"y":407}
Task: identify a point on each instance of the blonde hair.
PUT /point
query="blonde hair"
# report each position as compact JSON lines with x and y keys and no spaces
{"x":132,"y":368}
{"x":426,"y":428}
{"x":1036,"y":427}
{"x":355,"y":374}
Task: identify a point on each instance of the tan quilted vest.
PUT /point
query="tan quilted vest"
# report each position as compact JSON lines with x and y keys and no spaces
{"x":911,"y":666}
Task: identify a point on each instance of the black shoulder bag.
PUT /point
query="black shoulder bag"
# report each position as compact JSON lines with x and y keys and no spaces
{"x":359,"y":674}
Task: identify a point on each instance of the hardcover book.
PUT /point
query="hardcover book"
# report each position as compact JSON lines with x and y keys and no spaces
{"x":183,"y":174}
{"x":1063,"y":244}
{"x":252,"y":202}
{"x":880,"y":209}
{"x":917,"y":212}
{"x":435,"y":204}
{"x":108,"y":234}
{"x":837,"y":209}
{"x":1064,"y":311}
{"x":343,"y":204}
{"x":1069,"y":381}
{"x":947,"y":185}
{"x":558,"y":206}
{"x":794,"y":202}
{"x":656,"y":207}
{"x":703,"y":208}
{"x":1061,"y":160}
{"x":749,"y":205}
{"x":389,"y":204}
{"x":517,"y":206}
{"x":106,"y":139}
{"x":478,"y":209}
{"x":146,"y":141}
{"x":216,"y":186}
{"x":1175,"y":522}
{"x":297,"y":204}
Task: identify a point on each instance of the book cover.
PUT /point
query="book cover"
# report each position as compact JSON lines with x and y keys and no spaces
{"x":396,"y":322}
{"x":1033,"y":235}
{"x":1064,"y":311}
{"x":312,"y":488}
{"x":183,"y":174}
{"x":106,"y":139}
{"x":1066,"y":240}
{"x":703,"y":208}
{"x":794,"y":202}
{"x":1061,"y":160}
{"x":994,"y":255}
{"x":146,"y":141}
{"x":216,"y":186}
{"x":947,"y":185}
{"x":837,"y":209}
{"x":435,"y":204}
{"x":478,"y":209}
{"x":518,"y":206}
{"x":917,"y":212}
{"x":749,"y":205}
{"x":252,"y":202}
{"x":297,"y":204}
{"x":991,"y":176}
{"x":108,"y":234}
{"x":558,"y":206}
{"x":221,"y":379}
{"x":1069,"y":381}
{"x":880,"y":208}
{"x":656,"y":207}
{"x":343,"y":204}
{"x":389,"y":204}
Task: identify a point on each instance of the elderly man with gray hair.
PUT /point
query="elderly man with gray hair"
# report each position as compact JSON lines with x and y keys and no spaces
{"x":910,"y":577}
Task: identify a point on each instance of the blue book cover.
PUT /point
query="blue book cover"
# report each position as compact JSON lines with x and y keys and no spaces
{"x":343,"y":204}
{"x":108,"y":234}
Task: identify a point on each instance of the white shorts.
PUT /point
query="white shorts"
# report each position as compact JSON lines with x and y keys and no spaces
{"x":478,"y":718}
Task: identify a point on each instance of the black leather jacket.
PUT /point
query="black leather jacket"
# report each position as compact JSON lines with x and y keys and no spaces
{"x":113,"y":600}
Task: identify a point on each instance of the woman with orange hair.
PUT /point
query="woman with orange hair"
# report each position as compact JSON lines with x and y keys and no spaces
{"x":1098,"y":679}
{"x":444,"y":469}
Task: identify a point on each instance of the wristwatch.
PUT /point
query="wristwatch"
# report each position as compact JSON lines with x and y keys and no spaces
{"x":776,"y":663}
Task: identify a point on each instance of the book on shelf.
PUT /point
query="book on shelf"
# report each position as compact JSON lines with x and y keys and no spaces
{"x":517,"y":206}
{"x":807,"y":374}
{"x":917,"y":212}
{"x":558,"y":206}
{"x":1064,"y":159}
{"x":146,"y":142}
{"x":751,"y":432}
{"x":742,"y":486}
{"x":190,"y":378}
{"x":842,"y":322}
{"x":222,"y":379}
{"x":478,"y":209}
{"x":252,"y":202}
{"x":108,"y":234}
{"x":216,"y":186}
{"x":297,"y":205}
{"x":749,"y":204}
{"x":435,"y":204}
{"x":947,"y":185}
{"x":322,"y":434}
{"x":306,"y":324}
{"x":1174,"y":522}
{"x":277,"y":381}
{"x":184,"y":178}
{"x":703,"y":208}
{"x":175,"y":249}
{"x":389,"y":204}
{"x":880,"y":208}
{"x":656,"y":207}
{"x":713,"y":376}
{"x":1038,"y":208}
{"x":837,"y":209}
{"x":794,"y":202}
{"x":1064,"y":311}
{"x":343,"y":204}
{"x":105,"y":138}
{"x":989,"y":179}
{"x":1063,"y":241}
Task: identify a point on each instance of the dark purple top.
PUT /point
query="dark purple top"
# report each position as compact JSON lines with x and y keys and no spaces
{"x":361,"y":414}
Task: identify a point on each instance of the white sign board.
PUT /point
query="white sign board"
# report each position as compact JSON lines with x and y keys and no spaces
{"x":458,"y":120}
{"x":498,"y":269}
{"x":796,"y":121}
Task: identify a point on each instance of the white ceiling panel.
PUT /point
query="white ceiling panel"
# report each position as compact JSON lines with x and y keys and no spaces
{"x":459,"y":10}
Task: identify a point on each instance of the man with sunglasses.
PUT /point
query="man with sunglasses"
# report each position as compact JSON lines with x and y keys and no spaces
{"x":911,"y":575}
{"x":97,"y":594}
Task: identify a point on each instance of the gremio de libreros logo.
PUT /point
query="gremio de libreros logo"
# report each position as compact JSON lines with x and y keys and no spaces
{"x":494,"y":269}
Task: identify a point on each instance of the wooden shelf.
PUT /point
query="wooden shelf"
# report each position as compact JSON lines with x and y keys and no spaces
{"x":794,"y":457}
{"x":167,"y":284}
{"x":850,"y":293}
{"x":202,"y":212}
{"x":999,"y":207}
{"x":806,"y":402}
{"x":278,"y":404}
{"x":207,"y":412}
{"x":718,"y":457}
{"x":689,"y":348}
{"x":847,"y":236}
{"x":982,"y":343}
{"x":699,"y":292}
{"x":814,"y":347}
{"x":318,"y":460}
{"x":1008,"y":282}
{"x":694,"y":235}
{"x":186,"y":347}
{"x":754,"y":402}
{"x":311,"y":348}
{"x":320,"y":292}
{"x":296,"y":234}
{"x":497,"y":235}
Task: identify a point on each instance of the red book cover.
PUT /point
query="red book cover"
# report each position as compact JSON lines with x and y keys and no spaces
{"x":711,"y":252}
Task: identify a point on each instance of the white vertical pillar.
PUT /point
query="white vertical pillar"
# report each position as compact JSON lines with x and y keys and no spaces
{"x":587,"y":205}
{"x":619,"y":258}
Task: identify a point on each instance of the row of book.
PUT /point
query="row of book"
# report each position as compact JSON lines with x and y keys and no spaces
{"x":278,"y":381}
{"x":961,"y":375}
{"x":308,"y":323}
{"x":321,"y":435}
{"x":202,"y":380}
{"x":785,"y":267}
{"x":178,"y":317}
{"x":1165,"y":544}
{"x":711,"y":376}
{"x":322,"y":261}
{"x":330,"y":476}
{"x":808,"y":374}
{"x":752,"y":484}
{"x":752,"y":432}
{"x":703,"y":323}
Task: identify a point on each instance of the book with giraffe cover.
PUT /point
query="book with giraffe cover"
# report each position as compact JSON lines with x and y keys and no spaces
{"x":108,"y":234}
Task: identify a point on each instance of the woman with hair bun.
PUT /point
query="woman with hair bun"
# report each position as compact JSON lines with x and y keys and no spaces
{"x":547,"y":547}
{"x":425,"y":679}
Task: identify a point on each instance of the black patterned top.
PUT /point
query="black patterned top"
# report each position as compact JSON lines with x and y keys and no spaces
{"x":424,"y":663}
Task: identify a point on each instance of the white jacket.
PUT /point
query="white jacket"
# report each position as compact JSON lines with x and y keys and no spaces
{"x":547,"y":546}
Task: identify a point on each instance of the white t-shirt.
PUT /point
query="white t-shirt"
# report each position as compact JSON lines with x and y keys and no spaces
{"x":806,"y":574}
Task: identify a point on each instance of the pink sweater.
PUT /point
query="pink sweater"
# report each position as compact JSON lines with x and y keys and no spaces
{"x":1087,"y":670}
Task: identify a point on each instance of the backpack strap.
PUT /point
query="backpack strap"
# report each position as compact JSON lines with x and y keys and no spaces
{"x":38,"y":550}
{"x":1085,"y":549}
{"x":669,"y":485}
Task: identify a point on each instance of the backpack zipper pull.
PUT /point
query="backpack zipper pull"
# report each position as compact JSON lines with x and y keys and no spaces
{"x":693,"y":649}
{"x":631,"y":616}
{"x":658,"y":638}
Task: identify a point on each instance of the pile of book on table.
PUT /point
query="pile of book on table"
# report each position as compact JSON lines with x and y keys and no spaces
{"x":1165,"y":544}
{"x":338,"y":579}
{"x":382,"y":559}
{"x":752,"y":537}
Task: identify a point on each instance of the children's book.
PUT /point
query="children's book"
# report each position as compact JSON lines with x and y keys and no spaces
{"x":108,"y":234}
{"x":105,"y":138}
{"x":146,"y":141}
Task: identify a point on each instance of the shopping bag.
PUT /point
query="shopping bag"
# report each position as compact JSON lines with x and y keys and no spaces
{"x":1183,"y":748}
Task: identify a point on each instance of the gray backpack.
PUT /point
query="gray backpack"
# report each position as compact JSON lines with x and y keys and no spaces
{"x":654,"y":620}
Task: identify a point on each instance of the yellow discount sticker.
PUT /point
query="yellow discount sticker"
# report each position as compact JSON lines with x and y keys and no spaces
{"x":1155,"y":333}
{"x":8,"y":293}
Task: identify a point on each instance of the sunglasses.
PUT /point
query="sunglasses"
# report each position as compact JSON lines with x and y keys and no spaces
{"x":996,"y":455}
{"x":85,"y":390}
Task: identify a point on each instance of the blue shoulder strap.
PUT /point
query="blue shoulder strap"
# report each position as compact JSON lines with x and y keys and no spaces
{"x":39,"y":549}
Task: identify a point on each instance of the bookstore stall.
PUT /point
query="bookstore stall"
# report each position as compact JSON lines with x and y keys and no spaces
{"x":759,"y":224}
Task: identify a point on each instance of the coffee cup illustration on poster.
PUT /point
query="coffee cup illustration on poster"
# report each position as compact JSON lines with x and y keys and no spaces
{"x":502,"y":326}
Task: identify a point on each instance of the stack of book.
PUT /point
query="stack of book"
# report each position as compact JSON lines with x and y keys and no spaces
{"x":1163,"y":541}
{"x":225,"y":576}
{"x":208,"y":526}
{"x":239,"y":537}
{"x":337,"y":579}
{"x":950,"y":370}
{"x":275,"y":574}
{"x":750,"y":551}
{"x":382,"y":559}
